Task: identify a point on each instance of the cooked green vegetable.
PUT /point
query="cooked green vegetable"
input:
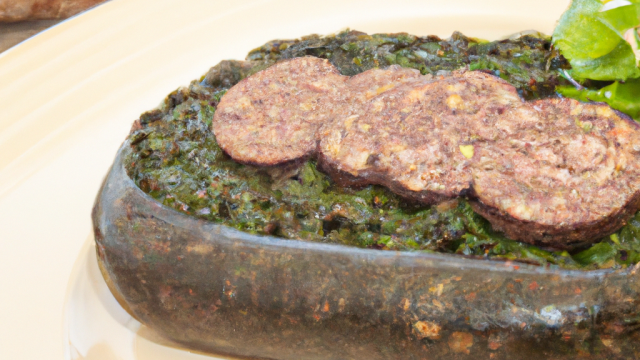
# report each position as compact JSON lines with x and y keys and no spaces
{"x":600,"y":39}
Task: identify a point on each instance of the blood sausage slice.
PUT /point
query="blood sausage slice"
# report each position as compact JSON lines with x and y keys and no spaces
{"x":415,"y":138}
{"x":565,"y":173}
{"x":272,"y":116}
{"x":363,"y":87}
{"x":554,"y":172}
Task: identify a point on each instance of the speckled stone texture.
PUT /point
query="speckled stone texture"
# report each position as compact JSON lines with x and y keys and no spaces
{"x":214,"y":288}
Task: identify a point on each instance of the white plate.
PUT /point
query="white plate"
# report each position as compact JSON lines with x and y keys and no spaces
{"x":67,"y":100}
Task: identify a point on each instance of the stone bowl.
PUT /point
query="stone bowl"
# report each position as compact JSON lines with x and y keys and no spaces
{"x":216,"y":289}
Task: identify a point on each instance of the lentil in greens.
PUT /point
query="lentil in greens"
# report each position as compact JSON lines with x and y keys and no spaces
{"x":176,"y":160}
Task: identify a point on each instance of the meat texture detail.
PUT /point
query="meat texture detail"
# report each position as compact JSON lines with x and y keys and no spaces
{"x":554,"y":172}
{"x":274,"y":116}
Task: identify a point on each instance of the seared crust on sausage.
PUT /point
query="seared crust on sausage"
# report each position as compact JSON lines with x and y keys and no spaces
{"x":558,"y":236}
{"x":563,"y":174}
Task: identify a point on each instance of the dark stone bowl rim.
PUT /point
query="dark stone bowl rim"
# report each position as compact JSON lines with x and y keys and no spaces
{"x":443,"y":260}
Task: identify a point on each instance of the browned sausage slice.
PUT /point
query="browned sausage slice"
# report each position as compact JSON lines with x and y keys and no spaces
{"x":414,"y":138}
{"x":272,"y":116}
{"x":564,"y":174}
{"x":554,"y":172}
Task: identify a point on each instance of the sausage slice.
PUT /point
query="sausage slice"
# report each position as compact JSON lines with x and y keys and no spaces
{"x":564,"y":174}
{"x":414,"y":138}
{"x":554,"y":172}
{"x":272,"y":116}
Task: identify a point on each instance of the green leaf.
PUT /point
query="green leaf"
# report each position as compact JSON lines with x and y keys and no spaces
{"x":581,"y":34}
{"x":597,"y":254}
{"x":620,"y":96}
{"x":620,"y":19}
{"x":619,"y":64}
{"x":593,"y":40}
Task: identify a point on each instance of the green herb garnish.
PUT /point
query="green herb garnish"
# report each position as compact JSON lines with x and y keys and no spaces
{"x":600,"y":39}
